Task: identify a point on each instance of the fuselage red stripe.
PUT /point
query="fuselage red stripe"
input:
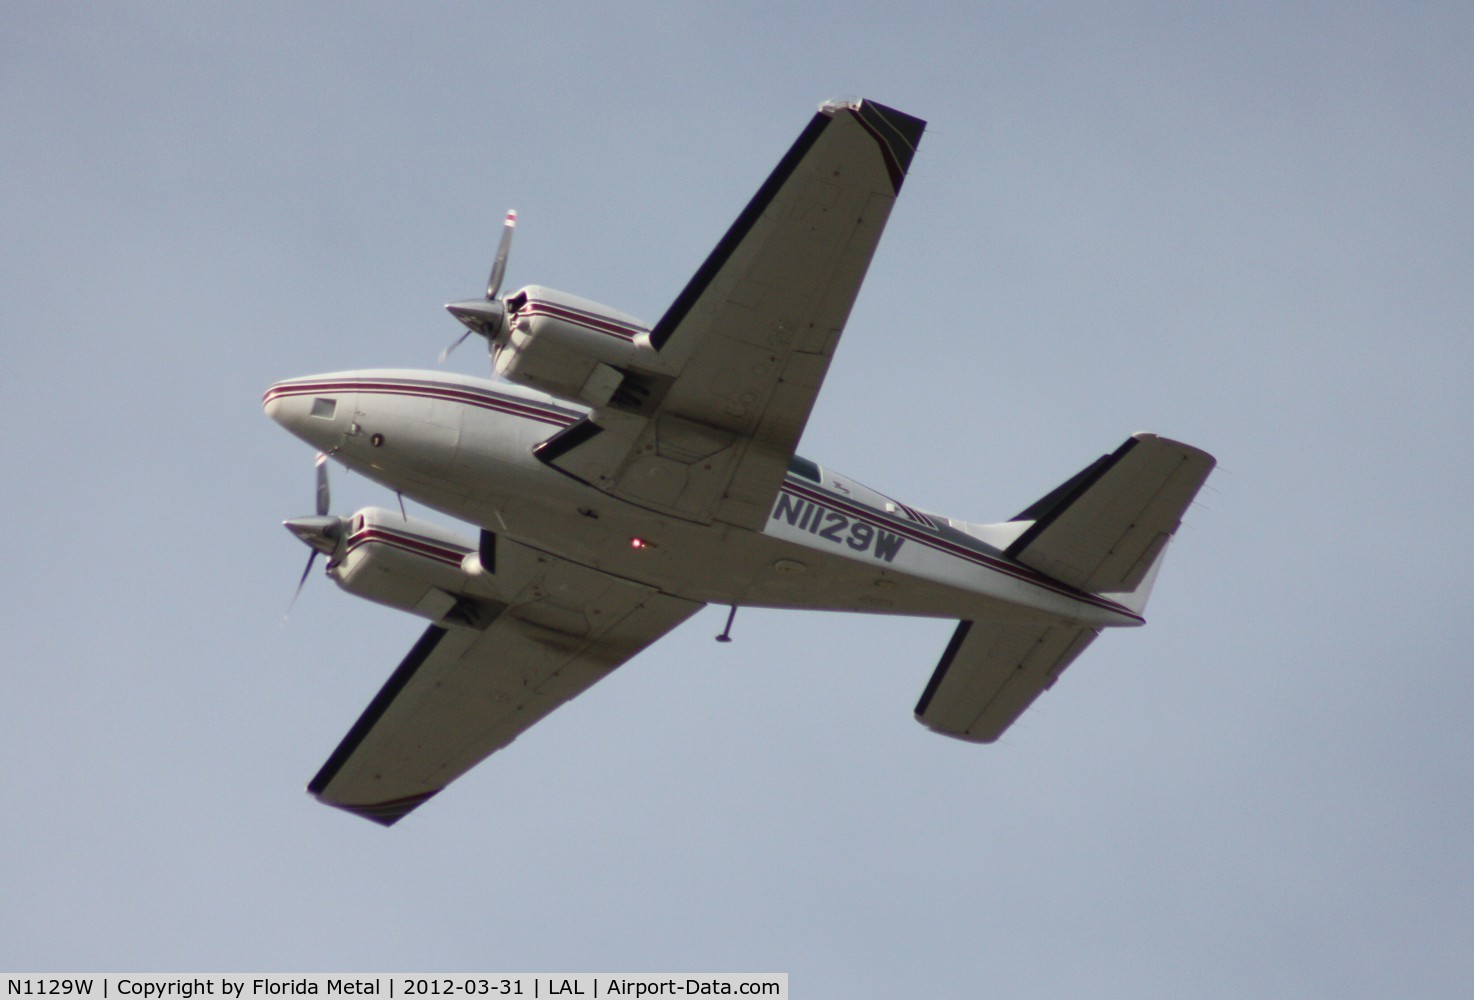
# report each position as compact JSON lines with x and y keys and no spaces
{"x":514,"y":406}
{"x":479,"y":398}
{"x":916,"y":534}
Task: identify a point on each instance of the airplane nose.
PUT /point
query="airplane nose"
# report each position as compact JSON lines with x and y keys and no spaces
{"x":276,"y":401}
{"x":285,"y":405}
{"x":315,"y":411}
{"x":271,"y":403}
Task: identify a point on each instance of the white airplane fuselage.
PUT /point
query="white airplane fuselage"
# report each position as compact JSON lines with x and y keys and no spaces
{"x":464,"y":446}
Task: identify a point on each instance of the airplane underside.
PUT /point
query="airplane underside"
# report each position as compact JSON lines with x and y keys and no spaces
{"x":620,"y":477}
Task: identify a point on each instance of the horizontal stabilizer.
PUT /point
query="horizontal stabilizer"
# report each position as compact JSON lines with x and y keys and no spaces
{"x":1104,"y":529}
{"x":991,"y":673}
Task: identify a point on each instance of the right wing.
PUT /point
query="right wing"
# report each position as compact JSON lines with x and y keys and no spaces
{"x":464,"y":693}
{"x":991,"y":672}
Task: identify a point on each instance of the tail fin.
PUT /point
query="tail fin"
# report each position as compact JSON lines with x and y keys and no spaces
{"x":1102,"y":531}
{"x":1105,"y":529}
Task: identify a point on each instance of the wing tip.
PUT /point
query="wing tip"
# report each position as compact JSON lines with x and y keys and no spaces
{"x":1188,"y":451}
{"x":961,"y":735}
{"x":416,"y":658}
{"x":897,"y":133}
{"x":383,"y":813}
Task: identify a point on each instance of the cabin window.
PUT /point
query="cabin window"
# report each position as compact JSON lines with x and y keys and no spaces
{"x":803,"y":467}
{"x":324,"y":407}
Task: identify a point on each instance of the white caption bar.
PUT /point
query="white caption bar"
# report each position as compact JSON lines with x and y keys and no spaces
{"x":395,"y":986}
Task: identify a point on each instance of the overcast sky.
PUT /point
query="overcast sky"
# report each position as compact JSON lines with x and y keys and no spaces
{"x":1249,"y":229}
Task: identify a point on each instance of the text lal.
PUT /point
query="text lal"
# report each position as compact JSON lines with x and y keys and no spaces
{"x":617,"y":987}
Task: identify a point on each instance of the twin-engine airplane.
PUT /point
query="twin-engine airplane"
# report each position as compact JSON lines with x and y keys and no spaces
{"x":623,"y":476}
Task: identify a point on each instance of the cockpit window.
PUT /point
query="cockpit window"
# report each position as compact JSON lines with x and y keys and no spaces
{"x":803,"y":467}
{"x":324,"y":407}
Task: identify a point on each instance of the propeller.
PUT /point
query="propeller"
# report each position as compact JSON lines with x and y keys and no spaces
{"x":488,"y":316}
{"x":321,"y":532}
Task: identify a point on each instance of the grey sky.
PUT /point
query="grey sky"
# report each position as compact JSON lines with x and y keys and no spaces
{"x":1247,"y":228}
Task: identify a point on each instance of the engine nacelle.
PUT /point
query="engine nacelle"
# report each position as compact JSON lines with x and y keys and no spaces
{"x":577,"y":350}
{"x":414,"y":566}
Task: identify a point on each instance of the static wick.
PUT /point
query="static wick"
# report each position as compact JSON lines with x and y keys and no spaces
{"x":726,"y":635}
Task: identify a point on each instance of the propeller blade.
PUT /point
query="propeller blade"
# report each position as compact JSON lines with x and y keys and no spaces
{"x":321,"y":533}
{"x":454,"y":344}
{"x":485,"y":316}
{"x":305,"y":573}
{"x":324,"y":496}
{"x":499,"y":266}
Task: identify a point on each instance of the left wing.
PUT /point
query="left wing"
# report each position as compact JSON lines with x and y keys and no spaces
{"x":751,"y":336}
{"x":463,"y":693}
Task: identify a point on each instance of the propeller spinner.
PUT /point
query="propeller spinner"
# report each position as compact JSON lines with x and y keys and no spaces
{"x":321,"y":532}
{"x":486,"y":317}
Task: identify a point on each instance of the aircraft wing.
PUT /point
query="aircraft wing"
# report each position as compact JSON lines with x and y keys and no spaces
{"x":463,"y":693}
{"x":750,"y":338}
{"x":991,"y":672}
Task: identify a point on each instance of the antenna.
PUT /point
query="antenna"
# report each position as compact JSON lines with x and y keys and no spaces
{"x":726,"y":635}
